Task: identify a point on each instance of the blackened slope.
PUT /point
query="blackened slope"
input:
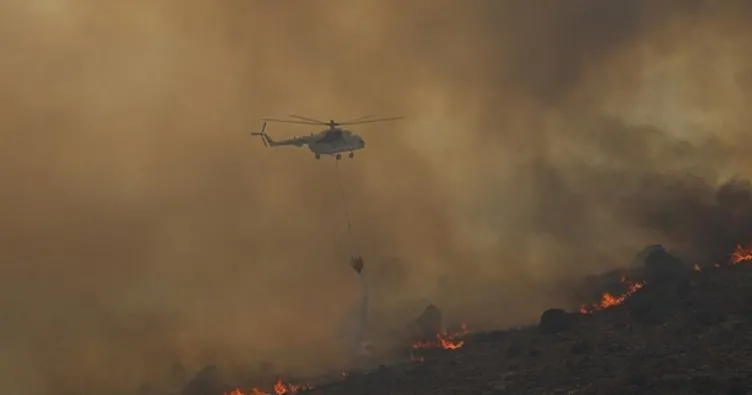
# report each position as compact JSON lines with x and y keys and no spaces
{"x":692,"y":337}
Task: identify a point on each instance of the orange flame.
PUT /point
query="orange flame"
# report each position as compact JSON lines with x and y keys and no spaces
{"x":741,"y":254}
{"x":608,"y":300}
{"x":280,"y":388}
{"x":447,"y":341}
{"x":252,"y":391}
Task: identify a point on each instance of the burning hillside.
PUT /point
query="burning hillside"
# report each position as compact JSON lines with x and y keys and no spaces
{"x":685,"y":332}
{"x":444,"y":340}
{"x":742,"y":254}
{"x":660,"y":317}
{"x":608,"y":300}
{"x":279,"y":388}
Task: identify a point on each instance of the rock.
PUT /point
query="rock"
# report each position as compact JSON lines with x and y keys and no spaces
{"x":206,"y":382}
{"x":642,"y":256}
{"x":661,"y":267}
{"x":554,"y":321}
{"x":429,"y":322}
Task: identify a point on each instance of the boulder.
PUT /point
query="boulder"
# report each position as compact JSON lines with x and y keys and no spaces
{"x":641,"y":257}
{"x":555,"y":320}
{"x":662,"y":266}
{"x":208,"y":381}
{"x":429,"y":322}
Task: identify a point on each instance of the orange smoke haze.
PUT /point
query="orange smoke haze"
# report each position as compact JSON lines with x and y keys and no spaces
{"x":141,"y":224}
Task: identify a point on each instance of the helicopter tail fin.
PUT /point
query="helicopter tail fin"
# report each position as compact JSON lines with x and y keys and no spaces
{"x":264,"y":137}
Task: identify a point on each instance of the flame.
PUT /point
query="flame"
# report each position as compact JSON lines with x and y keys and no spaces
{"x":608,"y":300}
{"x":280,"y":388}
{"x":741,"y":254}
{"x":252,"y":391}
{"x":696,"y":268}
{"x":447,"y":341}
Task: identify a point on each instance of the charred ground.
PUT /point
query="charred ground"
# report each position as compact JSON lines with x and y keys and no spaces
{"x":678,"y":329}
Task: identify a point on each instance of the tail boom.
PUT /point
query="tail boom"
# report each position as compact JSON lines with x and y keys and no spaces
{"x":264,"y":137}
{"x":269,"y":142}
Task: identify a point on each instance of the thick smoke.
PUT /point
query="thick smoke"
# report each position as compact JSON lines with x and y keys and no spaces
{"x":544,"y":140}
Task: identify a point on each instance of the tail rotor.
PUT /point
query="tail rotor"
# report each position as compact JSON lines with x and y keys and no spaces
{"x":262,"y":133}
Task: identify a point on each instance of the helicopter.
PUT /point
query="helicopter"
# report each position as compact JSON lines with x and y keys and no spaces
{"x":333,"y":141}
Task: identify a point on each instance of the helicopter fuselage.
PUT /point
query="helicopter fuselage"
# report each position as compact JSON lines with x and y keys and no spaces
{"x":335,"y":141}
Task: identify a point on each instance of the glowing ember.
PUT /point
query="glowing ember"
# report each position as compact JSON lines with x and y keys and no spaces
{"x":741,"y":254}
{"x":280,"y":388}
{"x":447,"y":341}
{"x":608,"y":300}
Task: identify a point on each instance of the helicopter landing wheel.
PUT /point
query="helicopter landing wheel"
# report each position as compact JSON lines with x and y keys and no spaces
{"x":352,"y":155}
{"x":317,"y":156}
{"x":338,"y":156}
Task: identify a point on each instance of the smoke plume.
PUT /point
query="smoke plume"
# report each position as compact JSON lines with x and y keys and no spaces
{"x":141,"y":224}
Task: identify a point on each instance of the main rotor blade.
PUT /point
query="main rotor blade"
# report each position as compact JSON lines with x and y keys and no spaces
{"x":358,"y":119}
{"x":372,"y":120}
{"x":308,"y":119}
{"x":289,"y":121}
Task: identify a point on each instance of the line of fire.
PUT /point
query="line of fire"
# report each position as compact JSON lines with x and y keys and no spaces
{"x":432,"y":338}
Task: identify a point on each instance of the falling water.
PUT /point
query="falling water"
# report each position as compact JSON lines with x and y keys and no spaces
{"x":355,"y":322}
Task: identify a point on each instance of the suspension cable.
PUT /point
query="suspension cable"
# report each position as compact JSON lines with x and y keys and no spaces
{"x":350,"y":233}
{"x":362,"y":351}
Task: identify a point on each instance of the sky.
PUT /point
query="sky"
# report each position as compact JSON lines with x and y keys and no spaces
{"x":543,"y":141}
